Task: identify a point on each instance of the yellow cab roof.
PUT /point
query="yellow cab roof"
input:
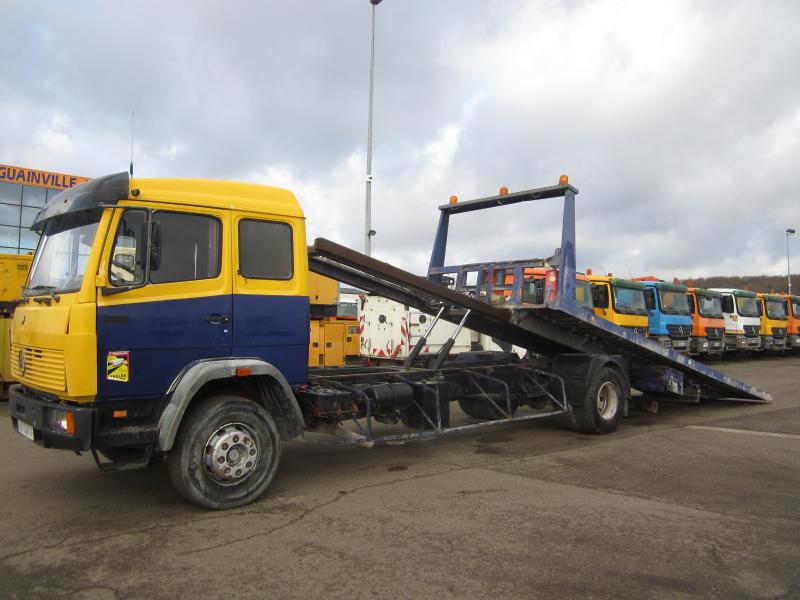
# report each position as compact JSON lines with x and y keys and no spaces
{"x":211,"y":193}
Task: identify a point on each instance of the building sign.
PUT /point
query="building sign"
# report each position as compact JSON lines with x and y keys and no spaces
{"x":44,"y":179}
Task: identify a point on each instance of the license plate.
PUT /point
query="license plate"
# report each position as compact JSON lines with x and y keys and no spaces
{"x":25,"y":430}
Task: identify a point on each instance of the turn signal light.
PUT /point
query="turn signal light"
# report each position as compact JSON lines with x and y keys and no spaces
{"x":120,"y":414}
{"x":69,"y":417}
{"x":244,"y":371}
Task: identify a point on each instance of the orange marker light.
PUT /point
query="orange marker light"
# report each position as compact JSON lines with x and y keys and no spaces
{"x":243,"y":371}
{"x":588,"y":271}
{"x":453,"y":199}
{"x":504,"y":191}
{"x":120,"y":414}
{"x":70,"y":419}
{"x":563,"y":180}
{"x":610,"y":274}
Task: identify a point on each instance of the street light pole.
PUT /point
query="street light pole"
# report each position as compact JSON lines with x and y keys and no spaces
{"x":368,"y":232}
{"x":788,"y":267}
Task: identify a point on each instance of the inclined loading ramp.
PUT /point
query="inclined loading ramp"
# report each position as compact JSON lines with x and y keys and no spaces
{"x":546,"y":330}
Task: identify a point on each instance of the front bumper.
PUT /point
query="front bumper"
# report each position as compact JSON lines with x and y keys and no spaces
{"x":793,"y":341}
{"x":677,"y":344}
{"x":41,"y":414}
{"x":774,"y":343}
{"x":704,"y":345}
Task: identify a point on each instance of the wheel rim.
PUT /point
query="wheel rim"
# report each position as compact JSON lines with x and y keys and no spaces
{"x":232,"y":454}
{"x":607,"y":400}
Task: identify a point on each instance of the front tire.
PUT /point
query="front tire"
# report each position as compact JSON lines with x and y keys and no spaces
{"x":226,"y":453}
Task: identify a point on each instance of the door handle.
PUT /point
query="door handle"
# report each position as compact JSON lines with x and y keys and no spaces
{"x":218,"y":319}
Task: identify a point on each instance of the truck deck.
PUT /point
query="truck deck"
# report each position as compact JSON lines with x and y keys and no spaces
{"x":550,"y":329}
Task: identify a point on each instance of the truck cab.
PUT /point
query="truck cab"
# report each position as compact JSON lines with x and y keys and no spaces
{"x":793,"y":322}
{"x":742,"y":320}
{"x":774,"y":321}
{"x":147,"y":294}
{"x":669,"y":318}
{"x":708,"y":326}
{"x":620,"y":301}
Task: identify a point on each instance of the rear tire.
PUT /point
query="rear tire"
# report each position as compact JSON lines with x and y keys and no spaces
{"x":602,"y":407}
{"x":226,"y":453}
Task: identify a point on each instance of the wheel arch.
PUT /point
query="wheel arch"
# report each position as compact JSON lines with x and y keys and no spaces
{"x":263,"y":383}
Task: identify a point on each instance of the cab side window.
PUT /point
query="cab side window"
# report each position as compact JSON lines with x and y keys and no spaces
{"x":265,"y":250}
{"x":600,"y":295}
{"x":650,"y":299}
{"x":127,"y":257}
{"x":184,"y":247}
{"x":727,"y":304}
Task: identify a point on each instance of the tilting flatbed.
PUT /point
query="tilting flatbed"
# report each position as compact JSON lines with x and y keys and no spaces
{"x":556,"y":327}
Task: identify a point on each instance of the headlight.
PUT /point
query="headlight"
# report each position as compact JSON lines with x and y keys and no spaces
{"x":60,"y":420}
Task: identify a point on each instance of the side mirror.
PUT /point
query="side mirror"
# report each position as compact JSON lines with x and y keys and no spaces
{"x":155,"y":245}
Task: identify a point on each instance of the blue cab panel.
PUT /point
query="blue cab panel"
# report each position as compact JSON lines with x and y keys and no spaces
{"x":159,"y":339}
{"x":275,"y":329}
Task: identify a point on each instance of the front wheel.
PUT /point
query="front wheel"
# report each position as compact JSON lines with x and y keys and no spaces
{"x":226,"y":452}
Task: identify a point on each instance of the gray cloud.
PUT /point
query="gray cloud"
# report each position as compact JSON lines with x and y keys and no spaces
{"x":679,"y":121}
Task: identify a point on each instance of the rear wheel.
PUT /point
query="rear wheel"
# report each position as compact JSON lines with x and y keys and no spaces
{"x":226,"y":453}
{"x":602,"y":406}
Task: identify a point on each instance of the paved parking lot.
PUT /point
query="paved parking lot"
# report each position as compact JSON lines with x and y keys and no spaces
{"x":698,"y":501}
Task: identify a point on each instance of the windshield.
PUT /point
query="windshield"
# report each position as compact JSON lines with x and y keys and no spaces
{"x":796,"y":308}
{"x":747,"y":306}
{"x":629,"y":301}
{"x":62,"y":254}
{"x":583,"y":294}
{"x":674,"y":303}
{"x":709,"y":306}
{"x":776,"y":309}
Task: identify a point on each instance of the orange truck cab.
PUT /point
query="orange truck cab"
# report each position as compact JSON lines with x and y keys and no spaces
{"x":533,"y":290}
{"x":793,"y":323}
{"x":708,"y":326}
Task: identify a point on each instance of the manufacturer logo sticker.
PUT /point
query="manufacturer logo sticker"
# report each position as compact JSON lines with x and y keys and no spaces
{"x":118,"y":366}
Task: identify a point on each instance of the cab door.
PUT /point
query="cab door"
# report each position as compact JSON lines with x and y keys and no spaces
{"x":271,"y":309}
{"x":167,"y":307}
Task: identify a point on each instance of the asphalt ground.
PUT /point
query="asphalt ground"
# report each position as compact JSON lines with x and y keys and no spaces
{"x":695,"y":502}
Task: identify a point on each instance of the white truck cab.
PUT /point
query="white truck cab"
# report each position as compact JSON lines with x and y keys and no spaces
{"x":742,"y":320}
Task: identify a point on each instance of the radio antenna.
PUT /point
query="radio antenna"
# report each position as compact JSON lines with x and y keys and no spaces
{"x":131,"y":167}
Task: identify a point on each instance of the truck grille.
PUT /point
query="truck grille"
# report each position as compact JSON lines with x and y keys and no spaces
{"x":43,"y":368}
{"x":779,"y":332}
{"x":679,"y":331}
{"x":639,"y":330}
{"x":751,"y":330}
{"x":714,"y":333}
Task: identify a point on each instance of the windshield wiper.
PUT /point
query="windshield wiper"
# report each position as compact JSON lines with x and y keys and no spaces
{"x":44,"y":289}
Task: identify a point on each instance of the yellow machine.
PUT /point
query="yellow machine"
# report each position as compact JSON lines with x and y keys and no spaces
{"x":620,"y":301}
{"x":13,"y":273}
{"x":334,"y":339}
{"x":322,"y":291}
{"x":774,"y":320}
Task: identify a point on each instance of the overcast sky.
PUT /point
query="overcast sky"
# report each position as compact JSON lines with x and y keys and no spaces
{"x":678,"y":121}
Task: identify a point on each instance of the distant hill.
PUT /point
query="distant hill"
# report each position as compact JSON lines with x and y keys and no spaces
{"x":757,"y":283}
